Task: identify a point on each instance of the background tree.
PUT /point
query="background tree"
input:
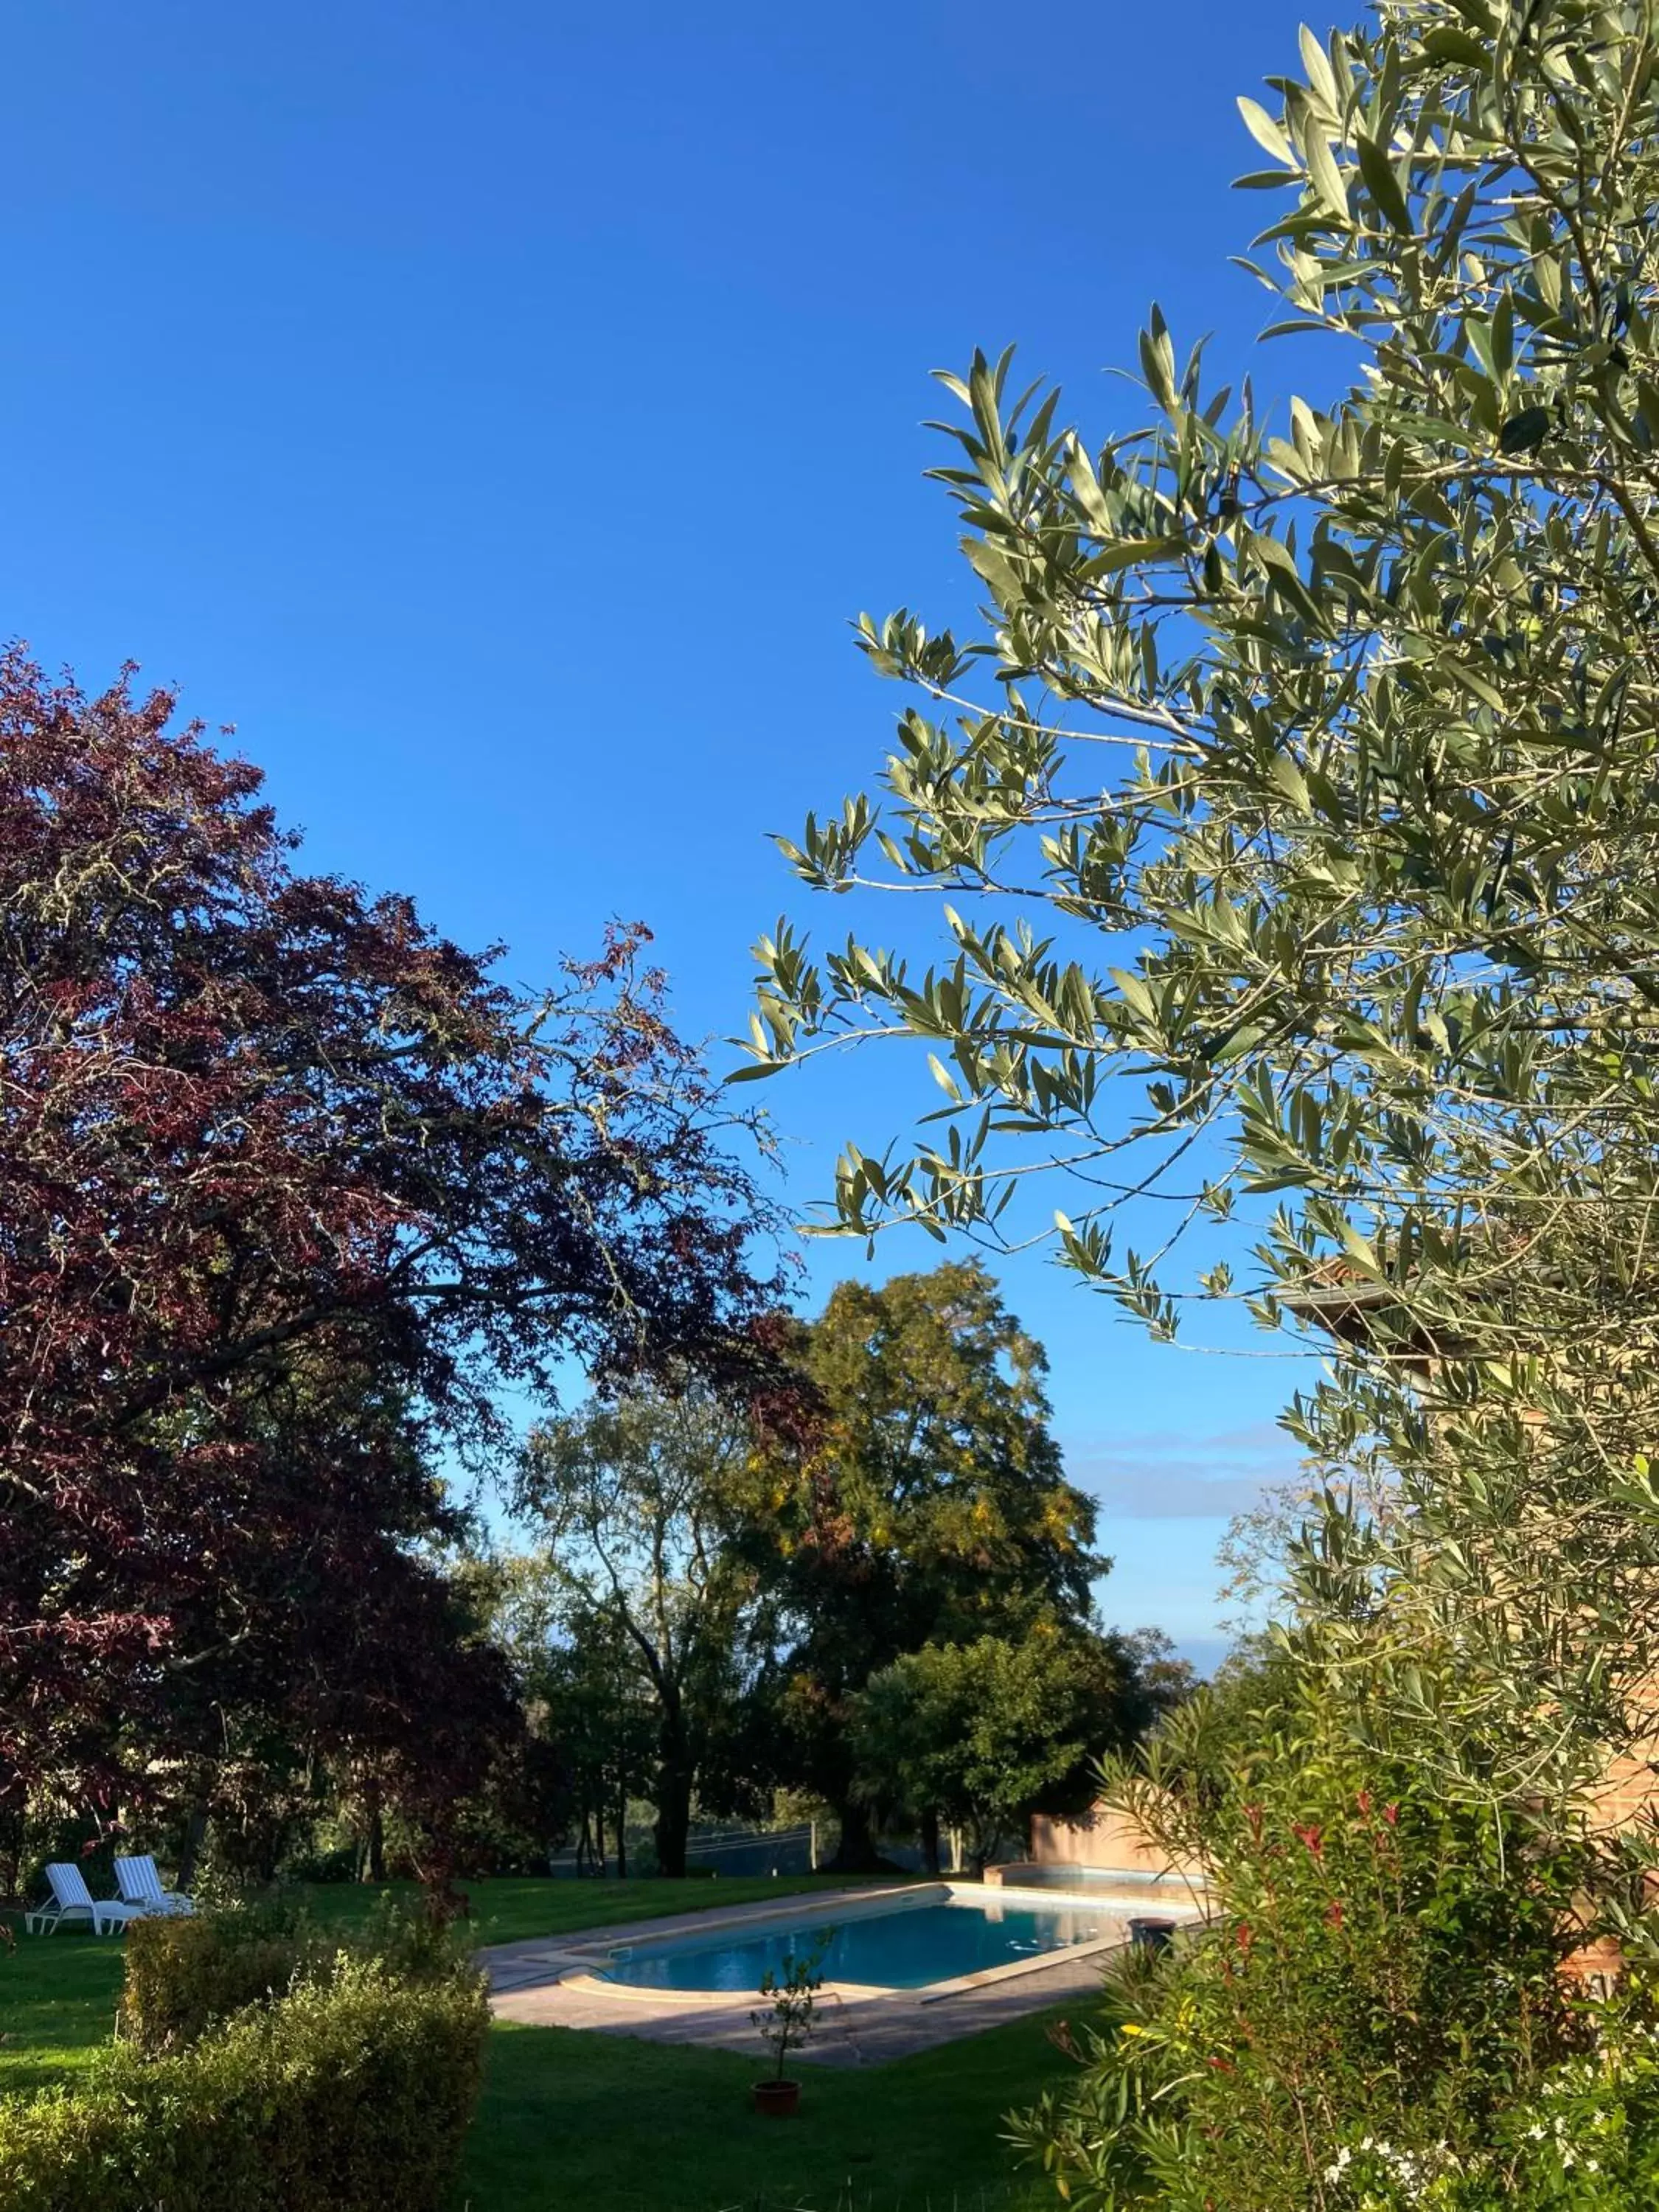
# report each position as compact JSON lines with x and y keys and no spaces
{"x":1295,"y":807}
{"x":983,"y":1735}
{"x":289,"y":1187}
{"x":927,"y":1504}
{"x":293,"y":1679}
{"x":635,"y":1495}
{"x":601,"y":1719}
{"x":1165,"y":1679}
{"x":589,"y":1715}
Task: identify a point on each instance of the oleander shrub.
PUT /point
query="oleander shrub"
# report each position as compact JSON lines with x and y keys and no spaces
{"x":1586,"y":2139}
{"x":1378,"y":1993}
{"x":351,"y":2094}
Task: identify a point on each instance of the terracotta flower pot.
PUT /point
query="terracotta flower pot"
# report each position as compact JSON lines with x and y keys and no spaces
{"x":780,"y":2098}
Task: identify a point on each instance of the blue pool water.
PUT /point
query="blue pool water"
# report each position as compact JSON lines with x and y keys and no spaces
{"x":895,"y":1947}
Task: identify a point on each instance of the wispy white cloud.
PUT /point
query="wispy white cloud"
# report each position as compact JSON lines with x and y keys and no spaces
{"x":1176,"y":1475}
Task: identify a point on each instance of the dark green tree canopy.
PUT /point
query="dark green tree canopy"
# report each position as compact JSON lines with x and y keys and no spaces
{"x":984,"y":1734}
{"x":926,"y":1502}
{"x":932,"y":1492}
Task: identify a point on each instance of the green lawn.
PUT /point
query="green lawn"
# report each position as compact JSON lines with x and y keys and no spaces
{"x":56,"y":2005}
{"x":507,"y":1909}
{"x":572,"y":2120}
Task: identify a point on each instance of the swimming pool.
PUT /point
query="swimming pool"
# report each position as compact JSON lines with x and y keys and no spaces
{"x":902,"y":1943}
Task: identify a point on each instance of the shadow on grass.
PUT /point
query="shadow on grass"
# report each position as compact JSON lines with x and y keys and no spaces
{"x":573,"y":2117}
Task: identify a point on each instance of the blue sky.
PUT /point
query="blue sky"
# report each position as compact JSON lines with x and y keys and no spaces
{"x":497,"y":412}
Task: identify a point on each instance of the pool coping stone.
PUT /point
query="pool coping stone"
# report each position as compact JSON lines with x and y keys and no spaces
{"x":552,"y":1982}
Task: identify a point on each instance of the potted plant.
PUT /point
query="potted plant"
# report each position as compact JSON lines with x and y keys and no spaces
{"x":786,"y":2023}
{"x":1151,"y":1935}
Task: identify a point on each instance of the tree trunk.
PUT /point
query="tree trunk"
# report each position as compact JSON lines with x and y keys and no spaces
{"x":13,"y":1801}
{"x":673,"y":1816}
{"x":856,"y":1852}
{"x":930,"y":1840}
{"x":676,"y":1778}
{"x":270,"y":1841}
{"x":195,"y":1828}
{"x":376,"y":1852}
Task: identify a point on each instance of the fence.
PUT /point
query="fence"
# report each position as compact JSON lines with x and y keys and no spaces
{"x":734,"y":1850}
{"x":744,"y":1851}
{"x":800,"y":1849}
{"x":847,"y":2197}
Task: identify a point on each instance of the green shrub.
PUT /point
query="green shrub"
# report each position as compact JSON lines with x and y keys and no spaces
{"x":1586,"y":2139}
{"x":351,"y":2095}
{"x":1383,"y":1970}
{"x":183,"y":1975}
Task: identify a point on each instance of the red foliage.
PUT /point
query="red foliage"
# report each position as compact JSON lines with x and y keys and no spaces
{"x":289,"y":1187}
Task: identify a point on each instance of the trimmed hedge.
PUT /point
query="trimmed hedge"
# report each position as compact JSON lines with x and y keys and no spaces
{"x":351,"y":2095}
{"x":185,"y":1975}
{"x":179,"y":1976}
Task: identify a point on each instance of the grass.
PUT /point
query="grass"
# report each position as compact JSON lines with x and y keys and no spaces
{"x":508,"y":1910}
{"x":57,"y":2007}
{"x":573,"y":2119}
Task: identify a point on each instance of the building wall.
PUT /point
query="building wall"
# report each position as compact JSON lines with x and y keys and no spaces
{"x":1631,"y":1792}
{"x":1100,"y":1839}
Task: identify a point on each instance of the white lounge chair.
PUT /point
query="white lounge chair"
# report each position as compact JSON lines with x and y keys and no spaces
{"x":140,"y":1884}
{"x":71,"y":1899}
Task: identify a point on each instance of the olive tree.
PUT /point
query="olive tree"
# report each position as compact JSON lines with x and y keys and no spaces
{"x":1290,"y":817}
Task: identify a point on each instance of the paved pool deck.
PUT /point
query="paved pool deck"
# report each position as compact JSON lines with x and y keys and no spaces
{"x":553,"y":1981}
